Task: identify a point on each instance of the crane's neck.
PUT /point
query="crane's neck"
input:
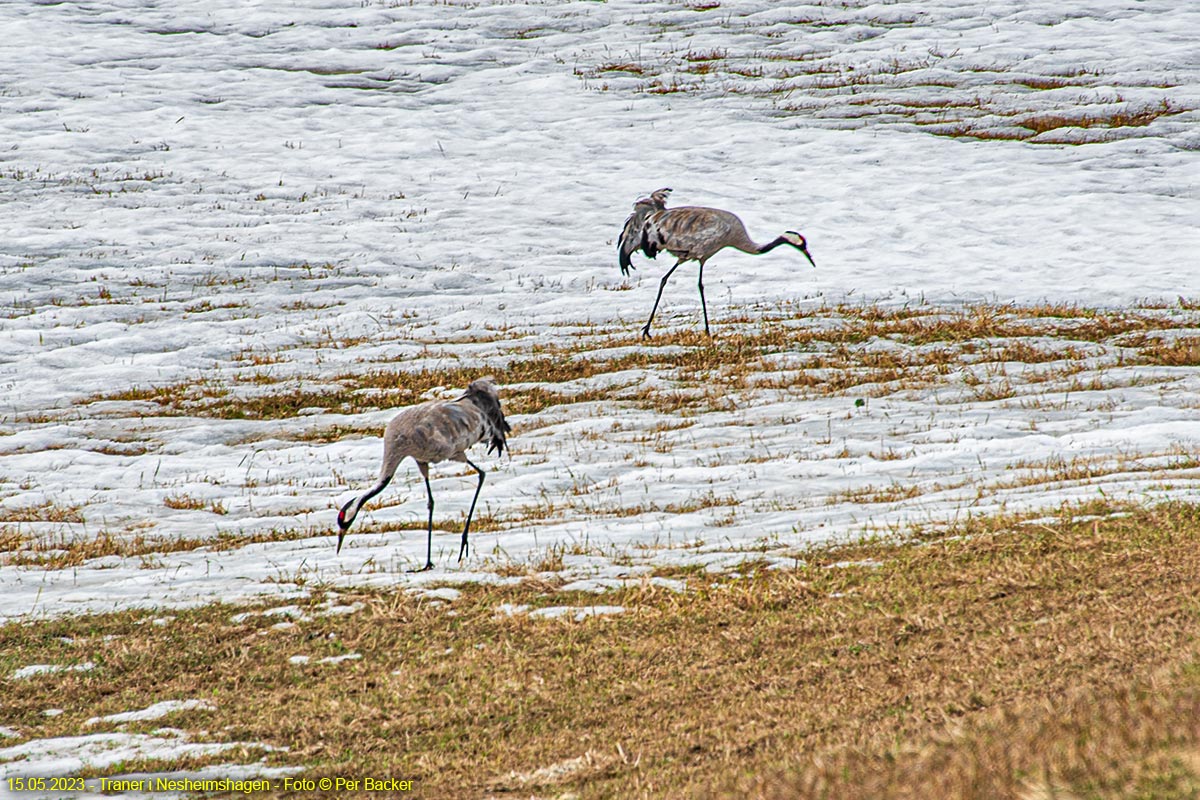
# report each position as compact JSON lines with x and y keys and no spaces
{"x":769,"y":246}
{"x":351,"y":509}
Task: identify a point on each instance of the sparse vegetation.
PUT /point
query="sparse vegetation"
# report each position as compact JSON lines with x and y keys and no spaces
{"x":46,"y":511}
{"x":64,"y":551}
{"x":991,"y":660}
{"x":952,"y":93}
{"x":1094,"y":124}
{"x":822,"y":353}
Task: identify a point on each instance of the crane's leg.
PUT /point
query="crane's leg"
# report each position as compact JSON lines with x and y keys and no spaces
{"x":703,"y":305}
{"x":661,"y":285}
{"x":421,"y":465}
{"x":471,"y":513}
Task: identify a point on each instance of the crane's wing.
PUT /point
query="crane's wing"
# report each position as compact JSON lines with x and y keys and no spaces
{"x":631,"y":238}
{"x":633,"y":234}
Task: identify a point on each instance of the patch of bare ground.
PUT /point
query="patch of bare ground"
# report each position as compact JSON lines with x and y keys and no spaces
{"x":827,"y":351}
{"x":64,"y":550}
{"x":46,"y":511}
{"x":943,"y":92}
{"x":1095,"y":126}
{"x":1000,"y":659}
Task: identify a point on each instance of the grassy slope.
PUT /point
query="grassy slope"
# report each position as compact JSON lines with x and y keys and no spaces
{"x":1018,"y":660}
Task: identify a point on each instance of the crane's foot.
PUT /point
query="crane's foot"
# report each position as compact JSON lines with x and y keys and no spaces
{"x":646,"y":332}
{"x":428,"y":566}
{"x":463,"y":550}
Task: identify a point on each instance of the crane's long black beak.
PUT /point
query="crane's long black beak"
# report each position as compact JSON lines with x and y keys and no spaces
{"x":342,"y":525}
{"x":806,"y":255}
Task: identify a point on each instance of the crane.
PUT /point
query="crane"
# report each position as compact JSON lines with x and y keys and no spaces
{"x":434,"y":431}
{"x":690,"y":233}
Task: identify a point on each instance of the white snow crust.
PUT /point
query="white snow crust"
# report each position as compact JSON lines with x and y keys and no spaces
{"x":155,"y":711}
{"x":49,"y":669}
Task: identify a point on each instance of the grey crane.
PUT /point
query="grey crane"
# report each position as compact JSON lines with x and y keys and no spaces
{"x":438,"y":430}
{"x":690,"y":233}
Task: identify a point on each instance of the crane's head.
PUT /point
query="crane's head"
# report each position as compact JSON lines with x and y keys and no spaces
{"x":797,"y":241}
{"x":345,"y":518}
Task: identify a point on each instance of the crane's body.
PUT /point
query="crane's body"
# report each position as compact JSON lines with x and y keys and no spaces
{"x":690,"y":233}
{"x":431,"y":432}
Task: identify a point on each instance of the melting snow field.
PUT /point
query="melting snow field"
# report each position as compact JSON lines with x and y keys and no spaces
{"x":207,"y":202}
{"x":213,"y":201}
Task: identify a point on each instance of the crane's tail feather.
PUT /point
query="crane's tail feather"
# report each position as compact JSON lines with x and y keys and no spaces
{"x":485,"y":397}
{"x":623,"y":260}
{"x":633,"y":235}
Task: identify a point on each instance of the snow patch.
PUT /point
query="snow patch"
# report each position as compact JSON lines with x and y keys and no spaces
{"x":447,"y":593}
{"x":340,"y":659}
{"x":50,"y":669}
{"x":575,"y":612}
{"x":68,"y":755}
{"x":156,"y":711}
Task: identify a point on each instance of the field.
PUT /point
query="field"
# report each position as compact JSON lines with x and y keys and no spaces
{"x":918,"y":522}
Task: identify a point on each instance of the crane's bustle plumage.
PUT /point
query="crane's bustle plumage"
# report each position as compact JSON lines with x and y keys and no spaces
{"x":632,"y":235}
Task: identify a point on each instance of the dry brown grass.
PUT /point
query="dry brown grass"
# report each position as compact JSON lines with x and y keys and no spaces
{"x":879,"y":494}
{"x":1095,"y":123}
{"x":821,"y":353}
{"x":621,"y":66}
{"x":1083,"y":470}
{"x":185,"y":501}
{"x":1043,"y":82}
{"x":1001,"y":662}
{"x":1182,"y":352}
{"x":1110,"y":118}
{"x":46,"y":511}
{"x":63,"y":551}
